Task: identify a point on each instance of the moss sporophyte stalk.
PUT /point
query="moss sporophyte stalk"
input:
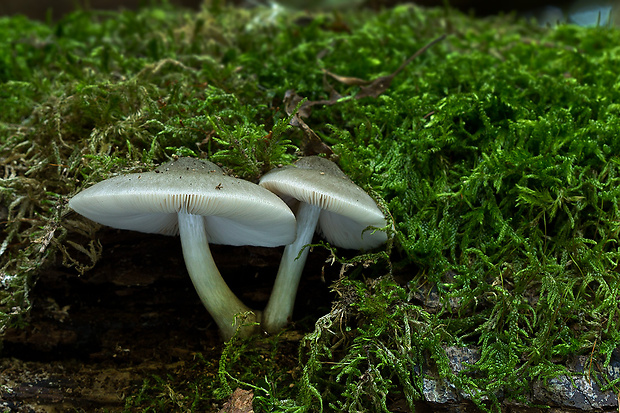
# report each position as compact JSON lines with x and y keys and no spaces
{"x":494,"y":154}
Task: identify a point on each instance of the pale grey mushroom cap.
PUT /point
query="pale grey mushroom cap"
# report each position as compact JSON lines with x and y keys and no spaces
{"x":347,"y":210}
{"x":236,"y":212}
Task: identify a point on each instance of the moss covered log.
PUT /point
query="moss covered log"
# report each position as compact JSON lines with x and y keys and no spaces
{"x":495,"y":153}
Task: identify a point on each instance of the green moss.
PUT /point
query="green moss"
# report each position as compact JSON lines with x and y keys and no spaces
{"x":495,"y":153}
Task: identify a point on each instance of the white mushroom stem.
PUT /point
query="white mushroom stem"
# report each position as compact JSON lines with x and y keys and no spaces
{"x":213,"y":291}
{"x":279,"y":309}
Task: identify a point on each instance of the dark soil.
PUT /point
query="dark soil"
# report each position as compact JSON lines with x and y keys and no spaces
{"x":92,"y":340}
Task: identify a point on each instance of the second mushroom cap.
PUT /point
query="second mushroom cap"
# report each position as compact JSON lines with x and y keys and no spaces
{"x":347,"y":210}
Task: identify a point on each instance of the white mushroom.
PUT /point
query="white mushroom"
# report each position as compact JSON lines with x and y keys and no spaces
{"x":196,"y":200}
{"x":328,"y":202}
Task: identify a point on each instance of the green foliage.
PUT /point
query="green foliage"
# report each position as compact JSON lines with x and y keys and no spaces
{"x":247,"y":147}
{"x":495,"y":153}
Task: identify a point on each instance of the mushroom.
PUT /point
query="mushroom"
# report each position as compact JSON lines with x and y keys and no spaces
{"x":196,"y":200}
{"x":328,"y":202}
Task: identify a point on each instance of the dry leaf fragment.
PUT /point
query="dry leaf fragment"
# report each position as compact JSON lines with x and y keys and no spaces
{"x":312,"y":144}
{"x":240,"y":402}
{"x":376,"y":87}
{"x":291,"y":100}
{"x":346,"y":80}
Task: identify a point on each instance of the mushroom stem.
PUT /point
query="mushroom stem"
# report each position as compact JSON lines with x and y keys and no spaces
{"x":279,"y":309}
{"x":213,"y":291}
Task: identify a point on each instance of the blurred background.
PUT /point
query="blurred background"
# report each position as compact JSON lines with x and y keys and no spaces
{"x":582,"y":12}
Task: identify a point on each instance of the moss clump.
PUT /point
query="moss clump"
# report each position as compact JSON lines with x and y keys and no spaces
{"x":495,"y":153}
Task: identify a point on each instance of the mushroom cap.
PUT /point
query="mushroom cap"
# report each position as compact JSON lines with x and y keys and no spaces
{"x":347,"y":210}
{"x":236,"y":212}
